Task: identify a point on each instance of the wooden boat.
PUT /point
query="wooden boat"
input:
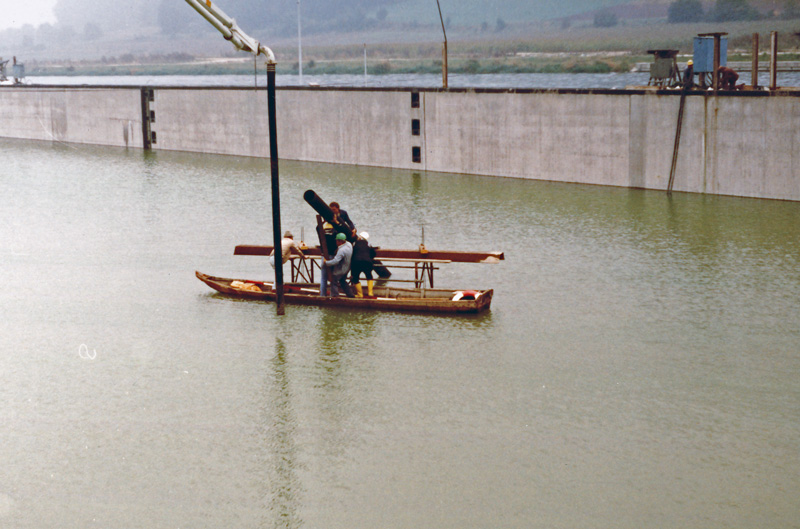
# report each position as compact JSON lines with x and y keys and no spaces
{"x":432,"y":300}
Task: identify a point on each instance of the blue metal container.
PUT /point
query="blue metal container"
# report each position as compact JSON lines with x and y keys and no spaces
{"x":704,"y":54}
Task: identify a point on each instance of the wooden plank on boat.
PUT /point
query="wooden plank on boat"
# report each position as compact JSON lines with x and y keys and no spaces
{"x":452,"y":256}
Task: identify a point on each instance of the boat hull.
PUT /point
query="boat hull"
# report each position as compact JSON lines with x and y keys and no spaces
{"x":388,"y":299}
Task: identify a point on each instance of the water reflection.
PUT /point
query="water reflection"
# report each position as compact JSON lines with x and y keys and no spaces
{"x":417,"y":194}
{"x":280,"y":434}
{"x":150,"y":187}
{"x":342,"y":330}
{"x":341,"y":361}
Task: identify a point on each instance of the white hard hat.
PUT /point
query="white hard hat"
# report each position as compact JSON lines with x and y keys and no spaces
{"x":364,"y":235}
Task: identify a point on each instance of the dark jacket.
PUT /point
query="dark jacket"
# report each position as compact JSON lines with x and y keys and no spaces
{"x":344,"y":218}
{"x":688,"y":76}
{"x":363,"y":252}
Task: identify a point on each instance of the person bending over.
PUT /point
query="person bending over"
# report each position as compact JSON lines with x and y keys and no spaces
{"x":340,"y":266}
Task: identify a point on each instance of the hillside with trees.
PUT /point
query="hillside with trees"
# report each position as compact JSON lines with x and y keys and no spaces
{"x":501,"y":35}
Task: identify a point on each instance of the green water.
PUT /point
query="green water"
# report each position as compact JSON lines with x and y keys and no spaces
{"x":638,"y":368}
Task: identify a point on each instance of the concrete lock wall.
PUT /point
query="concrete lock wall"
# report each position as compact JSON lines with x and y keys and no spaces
{"x":339,"y":126}
{"x":731,"y":144}
{"x":545,"y":136}
{"x":111,"y":116}
{"x":219,"y":121}
{"x":744,"y":144}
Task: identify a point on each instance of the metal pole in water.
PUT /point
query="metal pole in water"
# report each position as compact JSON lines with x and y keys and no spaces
{"x":241,"y":41}
{"x":276,"y":202}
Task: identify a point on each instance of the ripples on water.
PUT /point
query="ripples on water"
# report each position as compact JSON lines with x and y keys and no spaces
{"x":533,"y":80}
{"x":638,"y":368}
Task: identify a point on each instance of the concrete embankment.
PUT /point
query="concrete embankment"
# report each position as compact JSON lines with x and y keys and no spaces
{"x":741,"y":144}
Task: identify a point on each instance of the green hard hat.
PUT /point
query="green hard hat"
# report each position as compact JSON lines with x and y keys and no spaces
{"x":341,"y":237}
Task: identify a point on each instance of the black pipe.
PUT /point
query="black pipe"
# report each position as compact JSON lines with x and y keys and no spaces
{"x":319,"y":205}
{"x":276,"y":202}
{"x":326,"y":213}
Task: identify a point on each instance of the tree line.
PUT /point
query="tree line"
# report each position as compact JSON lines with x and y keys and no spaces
{"x":279,"y":17}
{"x":681,"y":11}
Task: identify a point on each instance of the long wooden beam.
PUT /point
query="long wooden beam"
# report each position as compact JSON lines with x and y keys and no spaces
{"x":456,"y":257}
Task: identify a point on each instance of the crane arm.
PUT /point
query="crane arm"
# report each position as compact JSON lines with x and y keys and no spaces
{"x":227,"y":26}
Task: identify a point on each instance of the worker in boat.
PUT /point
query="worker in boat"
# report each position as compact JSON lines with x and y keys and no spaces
{"x":688,"y":75}
{"x":363,"y":261}
{"x":727,"y":78}
{"x":330,"y":246}
{"x":330,"y":237}
{"x":340,"y":266}
{"x":288,"y":246}
{"x":341,"y":217}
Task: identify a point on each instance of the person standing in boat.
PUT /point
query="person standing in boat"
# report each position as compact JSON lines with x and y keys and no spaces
{"x":340,"y":266}
{"x":363,"y":261}
{"x":288,"y":246}
{"x":341,"y":217}
{"x":330,"y":237}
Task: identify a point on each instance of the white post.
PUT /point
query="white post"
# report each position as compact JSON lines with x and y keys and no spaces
{"x":365,"y":64}
{"x":299,"y":44}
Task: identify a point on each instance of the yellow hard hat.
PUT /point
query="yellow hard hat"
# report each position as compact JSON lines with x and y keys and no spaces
{"x":690,"y":63}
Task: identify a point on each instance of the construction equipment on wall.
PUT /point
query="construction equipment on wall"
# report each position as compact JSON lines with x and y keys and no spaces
{"x":17,"y":71}
{"x":710,"y":51}
{"x":664,"y":72}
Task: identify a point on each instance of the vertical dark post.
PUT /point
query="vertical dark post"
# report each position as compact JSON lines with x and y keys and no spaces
{"x":276,"y":201}
{"x":444,"y":65}
{"x":677,"y":142}
{"x":146,"y":94}
{"x":755,"y":60}
{"x":715,"y":80}
{"x":773,"y":61}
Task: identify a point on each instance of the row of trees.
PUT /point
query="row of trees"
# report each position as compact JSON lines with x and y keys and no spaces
{"x":175,"y":16}
{"x":725,"y":10}
{"x":605,"y":19}
{"x":681,"y":11}
{"x":279,"y":16}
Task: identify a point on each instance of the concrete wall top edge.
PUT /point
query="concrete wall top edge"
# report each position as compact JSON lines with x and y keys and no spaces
{"x":71,"y":88}
{"x":574,"y":91}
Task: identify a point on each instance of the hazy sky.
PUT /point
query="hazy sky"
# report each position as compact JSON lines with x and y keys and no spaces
{"x":16,"y":13}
